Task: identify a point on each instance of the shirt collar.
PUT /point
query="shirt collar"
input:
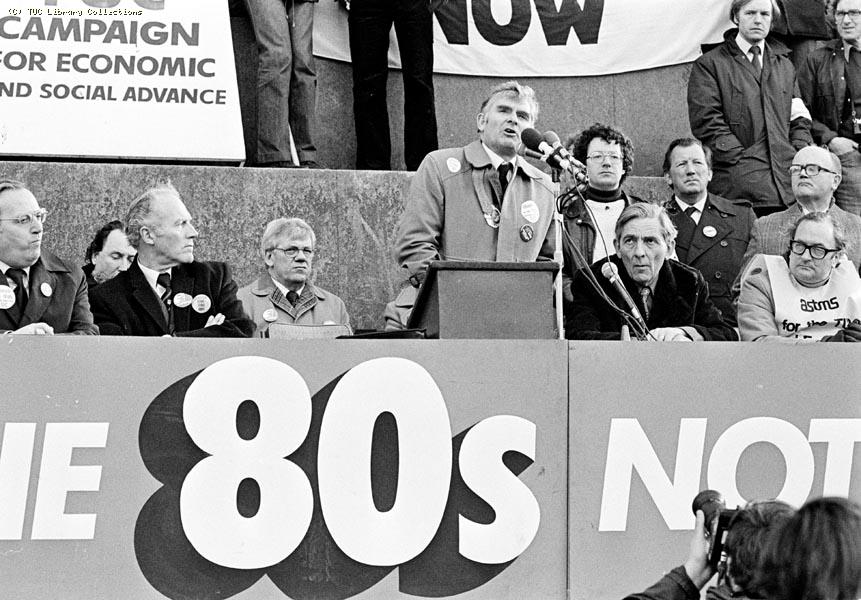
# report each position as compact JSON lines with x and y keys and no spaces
{"x":746,"y":46}
{"x":495,"y":159}
{"x":151,"y":276}
{"x":283,"y":289}
{"x":4,"y":267}
{"x":700,"y":206}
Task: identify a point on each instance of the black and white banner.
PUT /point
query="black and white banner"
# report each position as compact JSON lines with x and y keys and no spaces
{"x":550,"y":38}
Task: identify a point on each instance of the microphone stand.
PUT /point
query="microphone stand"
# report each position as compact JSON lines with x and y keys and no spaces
{"x":557,"y":254}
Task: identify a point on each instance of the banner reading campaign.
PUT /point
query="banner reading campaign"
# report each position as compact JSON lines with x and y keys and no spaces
{"x":150,"y":79}
{"x":214,"y":469}
{"x":550,"y":38}
{"x":653,"y":424}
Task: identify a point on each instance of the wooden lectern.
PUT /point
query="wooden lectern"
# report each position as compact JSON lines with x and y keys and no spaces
{"x":486,"y":300}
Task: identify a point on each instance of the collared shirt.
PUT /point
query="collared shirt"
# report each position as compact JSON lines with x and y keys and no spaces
{"x":10,"y":282}
{"x":496,"y":159}
{"x":746,"y":46}
{"x":699,"y":206}
{"x":283,"y":289}
{"x":151,"y":277}
{"x":805,"y":210}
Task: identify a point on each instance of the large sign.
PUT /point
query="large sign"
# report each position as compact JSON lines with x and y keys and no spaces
{"x":542,"y":38}
{"x":152,"y":79}
{"x":248,"y":469}
{"x":653,"y":424}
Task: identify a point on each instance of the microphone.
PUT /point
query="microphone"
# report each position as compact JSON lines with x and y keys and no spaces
{"x":522,"y":150}
{"x":611,"y":272}
{"x":553,"y":153}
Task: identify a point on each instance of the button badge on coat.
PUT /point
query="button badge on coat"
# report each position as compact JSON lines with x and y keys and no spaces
{"x":182,"y":300}
{"x":492,"y":218}
{"x":709,"y":231}
{"x":201,"y":303}
{"x":270,"y":315}
{"x":46,"y":290}
{"x":7,"y":297}
{"x":529,"y":211}
{"x":527,"y":233}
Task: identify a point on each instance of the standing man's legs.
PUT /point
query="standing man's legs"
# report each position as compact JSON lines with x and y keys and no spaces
{"x":414,"y":28}
{"x":848,"y":194}
{"x":370,"y":22}
{"x":303,"y":81}
{"x":271,"y":28}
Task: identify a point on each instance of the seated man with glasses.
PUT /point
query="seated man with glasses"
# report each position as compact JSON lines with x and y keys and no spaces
{"x":811,"y":293}
{"x":830,"y":84}
{"x":40,"y":294}
{"x":815,"y":175}
{"x":284,"y":302}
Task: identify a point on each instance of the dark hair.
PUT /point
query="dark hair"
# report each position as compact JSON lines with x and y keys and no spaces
{"x":737,"y":5}
{"x":746,"y":542}
{"x":101,"y":236}
{"x":579,"y":146}
{"x":822,"y":217}
{"x":685,"y":142}
{"x":816,"y":555}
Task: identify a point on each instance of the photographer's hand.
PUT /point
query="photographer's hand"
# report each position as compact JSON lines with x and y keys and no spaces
{"x":697,"y":565}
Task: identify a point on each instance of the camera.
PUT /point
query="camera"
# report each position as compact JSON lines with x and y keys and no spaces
{"x":719,"y":518}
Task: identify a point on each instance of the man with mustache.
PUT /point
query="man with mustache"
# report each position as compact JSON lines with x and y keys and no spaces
{"x":165,"y":291}
{"x":40,"y":294}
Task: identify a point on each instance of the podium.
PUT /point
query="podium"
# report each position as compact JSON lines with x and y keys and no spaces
{"x":486,"y":300}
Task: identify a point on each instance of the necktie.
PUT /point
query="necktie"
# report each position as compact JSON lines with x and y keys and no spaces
{"x":17,"y":310}
{"x":646,"y":295}
{"x":163,"y":280}
{"x":504,"y":172}
{"x":757,"y":63}
{"x":691,"y":211}
{"x":292,"y":297}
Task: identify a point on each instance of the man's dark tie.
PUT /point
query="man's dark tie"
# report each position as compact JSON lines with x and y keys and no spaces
{"x":292,"y":297}
{"x":504,"y":172}
{"x":646,"y":295}
{"x":756,"y":62}
{"x":17,"y":310}
{"x":687,"y":227}
{"x":163,"y":280}
{"x":690,"y":212}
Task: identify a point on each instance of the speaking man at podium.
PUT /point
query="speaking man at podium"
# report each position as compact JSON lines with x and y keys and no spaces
{"x":481,"y":202}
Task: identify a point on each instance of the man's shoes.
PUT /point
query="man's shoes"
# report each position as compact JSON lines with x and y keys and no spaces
{"x":310,"y":164}
{"x":277,"y":164}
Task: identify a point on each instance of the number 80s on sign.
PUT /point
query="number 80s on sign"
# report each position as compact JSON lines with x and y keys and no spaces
{"x":220,"y":533}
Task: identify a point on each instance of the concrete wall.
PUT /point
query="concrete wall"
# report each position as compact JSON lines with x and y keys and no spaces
{"x":647,"y":105}
{"x":354,"y":214}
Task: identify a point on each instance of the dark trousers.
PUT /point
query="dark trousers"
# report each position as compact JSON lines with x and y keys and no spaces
{"x":370,"y":22}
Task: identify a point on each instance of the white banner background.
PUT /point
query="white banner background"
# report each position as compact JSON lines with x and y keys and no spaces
{"x":634,"y":35}
{"x":35,"y":126}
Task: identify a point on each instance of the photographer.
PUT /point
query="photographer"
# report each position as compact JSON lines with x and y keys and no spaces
{"x":747,"y":533}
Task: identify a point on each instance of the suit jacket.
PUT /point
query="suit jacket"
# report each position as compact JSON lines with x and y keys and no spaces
{"x":127,"y":304}
{"x":57,"y":296}
{"x":681,"y":299}
{"x":718,"y":256}
{"x":316,"y":306}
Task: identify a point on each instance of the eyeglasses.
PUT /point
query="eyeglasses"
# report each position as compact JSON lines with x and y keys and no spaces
{"x":810,"y":170}
{"x":817,"y":252}
{"x":596,"y":156}
{"x":29,"y":218}
{"x":852,"y":14}
{"x":292,"y":251}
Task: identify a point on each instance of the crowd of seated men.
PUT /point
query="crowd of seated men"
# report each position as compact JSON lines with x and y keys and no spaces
{"x":698,"y":266}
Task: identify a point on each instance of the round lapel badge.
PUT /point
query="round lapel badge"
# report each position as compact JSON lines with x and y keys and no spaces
{"x":46,"y":290}
{"x":453,"y":164}
{"x":7,"y":297}
{"x":527,"y":233}
{"x":709,"y":231}
{"x":182,"y":300}
{"x":492,"y":218}
{"x":529,"y":211}
{"x":270,"y":315}
{"x":201,"y":303}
